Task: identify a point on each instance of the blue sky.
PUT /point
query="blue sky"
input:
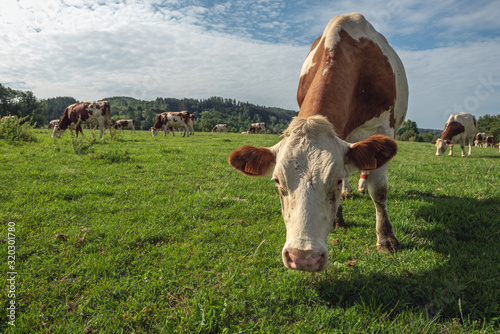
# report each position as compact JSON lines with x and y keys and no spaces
{"x":249,"y":50}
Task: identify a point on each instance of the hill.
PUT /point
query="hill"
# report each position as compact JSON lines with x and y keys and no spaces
{"x":208,"y":112}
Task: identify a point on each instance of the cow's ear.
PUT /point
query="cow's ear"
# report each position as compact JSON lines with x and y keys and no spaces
{"x":448,"y":142}
{"x":253,"y":161}
{"x":434,"y":142}
{"x":372,"y":153}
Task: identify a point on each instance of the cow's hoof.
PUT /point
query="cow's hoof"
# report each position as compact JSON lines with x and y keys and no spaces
{"x":388,"y":246}
{"x":339,"y":223}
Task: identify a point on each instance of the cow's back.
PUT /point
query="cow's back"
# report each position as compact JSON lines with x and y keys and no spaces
{"x":467,"y":120}
{"x":354,"y":78}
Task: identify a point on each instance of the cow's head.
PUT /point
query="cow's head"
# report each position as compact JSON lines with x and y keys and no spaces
{"x":57,"y":132}
{"x":308,"y":165}
{"x":441,"y":146}
{"x":155,"y":131}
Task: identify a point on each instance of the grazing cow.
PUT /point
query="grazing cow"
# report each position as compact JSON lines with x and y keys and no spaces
{"x":220,"y":128}
{"x":458,"y":128}
{"x":490,"y":141}
{"x":125,"y":124}
{"x":480,"y":138}
{"x":13,"y":117}
{"x":353,"y":97}
{"x":191,"y":124}
{"x":52,"y":124}
{"x":169,"y":121}
{"x":88,"y":113}
{"x":256,"y":127}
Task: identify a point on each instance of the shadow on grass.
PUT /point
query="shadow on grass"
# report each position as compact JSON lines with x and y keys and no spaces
{"x":464,"y":284}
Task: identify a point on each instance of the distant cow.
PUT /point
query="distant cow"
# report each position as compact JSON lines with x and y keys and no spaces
{"x":256,"y":127}
{"x":220,"y":128}
{"x":490,"y":141}
{"x":128,"y":124}
{"x":52,"y":124}
{"x":353,"y":97}
{"x":98,"y":113}
{"x":170,"y":121}
{"x":458,"y":129}
{"x":191,"y":124}
{"x":480,"y":139}
{"x":8,"y":117}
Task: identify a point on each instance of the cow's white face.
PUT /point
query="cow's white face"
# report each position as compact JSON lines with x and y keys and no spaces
{"x":441,"y":146}
{"x":155,"y":131}
{"x":309,"y":163}
{"x":308,"y":175}
{"x":57,"y":133}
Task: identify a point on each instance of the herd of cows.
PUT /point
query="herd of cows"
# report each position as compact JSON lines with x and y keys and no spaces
{"x":353,"y":97}
{"x":98,"y":115}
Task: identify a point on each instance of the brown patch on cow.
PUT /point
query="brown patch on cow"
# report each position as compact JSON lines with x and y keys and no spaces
{"x":451,"y":130}
{"x":372,"y":153}
{"x":358,"y":84}
{"x":253,"y":161}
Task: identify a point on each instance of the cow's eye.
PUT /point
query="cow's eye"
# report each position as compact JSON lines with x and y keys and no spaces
{"x":276,"y":181}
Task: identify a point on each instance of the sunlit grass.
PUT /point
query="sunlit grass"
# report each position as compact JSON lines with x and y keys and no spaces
{"x":144,"y":234}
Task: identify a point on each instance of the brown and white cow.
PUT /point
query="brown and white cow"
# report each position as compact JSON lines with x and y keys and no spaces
{"x":191,"y":124}
{"x":458,"y":129}
{"x":88,"y":113}
{"x":353,"y":97}
{"x":170,"y":121}
{"x":490,"y":141}
{"x":256,"y":127}
{"x":128,"y":124}
{"x":10,"y":117}
{"x":52,"y":124}
{"x":220,"y":128}
{"x":480,"y":139}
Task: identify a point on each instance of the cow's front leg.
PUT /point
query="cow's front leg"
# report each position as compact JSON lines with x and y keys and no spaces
{"x":462,"y":146}
{"x":377,"y":188}
{"x":470,"y":147}
{"x":451,"y":150}
{"x":346,"y":188}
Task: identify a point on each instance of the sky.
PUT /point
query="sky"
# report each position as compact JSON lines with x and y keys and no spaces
{"x":248,"y":50}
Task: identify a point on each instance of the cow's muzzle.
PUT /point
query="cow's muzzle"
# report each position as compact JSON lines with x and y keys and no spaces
{"x":305,"y":260}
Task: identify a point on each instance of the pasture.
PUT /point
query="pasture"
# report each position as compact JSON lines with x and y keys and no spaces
{"x":135,"y":234}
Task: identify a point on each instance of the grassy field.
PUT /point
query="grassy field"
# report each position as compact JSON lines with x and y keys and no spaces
{"x":135,"y":234}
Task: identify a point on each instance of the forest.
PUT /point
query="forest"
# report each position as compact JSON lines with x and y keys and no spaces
{"x":208,"y":112}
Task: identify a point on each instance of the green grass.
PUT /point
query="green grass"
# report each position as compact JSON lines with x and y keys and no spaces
{"x":160,"y":235}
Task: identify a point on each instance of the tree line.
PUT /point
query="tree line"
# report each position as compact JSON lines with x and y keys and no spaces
{"x":208,"y":112}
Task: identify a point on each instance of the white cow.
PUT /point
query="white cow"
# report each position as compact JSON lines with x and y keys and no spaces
{"x":220,"y":128}
{"x":256,"y":127}
{"x":96,"y":113}
{"x":353,"y":96}
{"x":169,"y":121}
{"x":458,"y":129}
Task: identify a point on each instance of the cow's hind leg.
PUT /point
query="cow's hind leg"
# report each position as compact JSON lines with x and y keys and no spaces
{"x":377,"y":188}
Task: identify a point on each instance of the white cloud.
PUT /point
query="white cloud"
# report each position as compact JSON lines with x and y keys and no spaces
{"x":246,"y":50}
{"x":446,"y":80}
